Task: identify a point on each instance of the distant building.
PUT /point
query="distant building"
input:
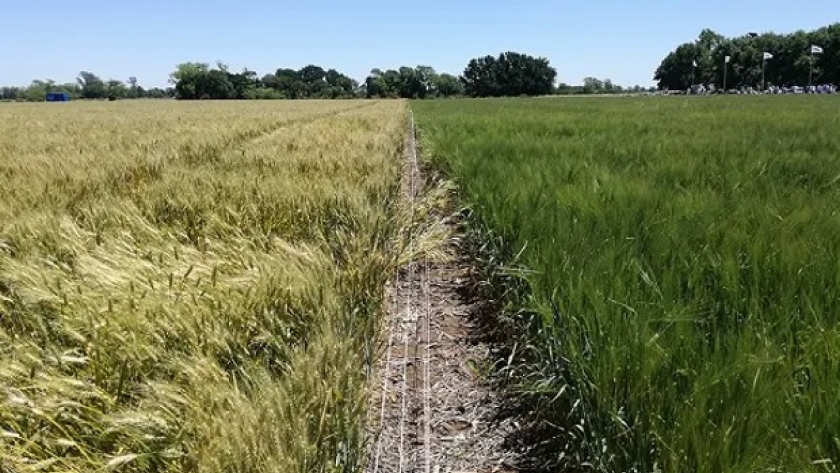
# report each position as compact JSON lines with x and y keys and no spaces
{"x":58,"y":97}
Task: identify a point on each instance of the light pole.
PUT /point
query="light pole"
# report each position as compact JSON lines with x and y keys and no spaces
{"x":753,"y":35}
{"x":693,"y":67}
{"x":813,"y":50}
{"x":763,"y":64}
{"x":725,"y":68}
{"x":764,"y":57}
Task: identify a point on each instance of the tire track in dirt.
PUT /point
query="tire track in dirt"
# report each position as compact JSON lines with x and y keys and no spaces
{"x":302,"y":121}
{"x":192,"y":153}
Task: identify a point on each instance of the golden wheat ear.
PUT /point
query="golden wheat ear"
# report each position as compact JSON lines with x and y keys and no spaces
{"x":192,"y":286}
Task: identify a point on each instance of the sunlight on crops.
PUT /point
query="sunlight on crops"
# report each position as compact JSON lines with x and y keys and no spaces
{"x":192,"y":286}
{"x":685,"y":273}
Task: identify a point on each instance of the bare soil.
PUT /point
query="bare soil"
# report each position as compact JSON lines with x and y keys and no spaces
{"x":432,"y":408}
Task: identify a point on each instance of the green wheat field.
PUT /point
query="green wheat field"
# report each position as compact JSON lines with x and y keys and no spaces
{"x":681,"y":263}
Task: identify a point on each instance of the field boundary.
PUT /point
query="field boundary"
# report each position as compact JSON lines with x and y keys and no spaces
{"x":431,"y":408}
{"x":400,"y":349}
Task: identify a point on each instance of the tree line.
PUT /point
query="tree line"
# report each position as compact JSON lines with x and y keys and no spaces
{"x":195,"y":80}
{"x":508,"y":74}
{"x":791,"y":64}
{"x":87,"y":86}
{"x":593,"y":85}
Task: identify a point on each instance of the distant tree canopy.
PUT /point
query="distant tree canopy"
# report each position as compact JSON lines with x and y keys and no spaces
{"x":87,"y":86}
{"x":194,"y":80}
{"x":510,"y":74}
{"x":412,"y":83}
{"x":592,"y":85}
{"x":790,"y":64}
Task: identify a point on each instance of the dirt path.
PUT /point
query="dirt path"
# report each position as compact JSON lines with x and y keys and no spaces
{"x":431,"y":410}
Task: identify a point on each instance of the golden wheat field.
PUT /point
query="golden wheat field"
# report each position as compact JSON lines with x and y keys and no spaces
{"x":192,"y":287}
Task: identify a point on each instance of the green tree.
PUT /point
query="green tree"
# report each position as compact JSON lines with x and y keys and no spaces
{"x":115,"y":89}
{"x":827,"y":64}
{"x":243,"y":84}
{"x":480,"y":77}
{"x":339,"y":85}
{"x":411,"y":85}
{"x":134,"y":90}
{"x":10,"y":93}
{"x":675,"y":71}
{"x":447,"y":85}
{"x":790,"y":65}
{"x":289,"y":83}
{"x":214,"y":84}
{"x":36,"y":91}
{"x":510,"y":74}
{"x":373,"y":84}
{"x":269,"y":81}
{"x":92,"y":87}
{"x":412,"y":82}
{"x":158,"y":93}
{"x":592,"y":85}
{"x":314,"y":81}
{"x":385,"y":84}
{"x":186,"y":77}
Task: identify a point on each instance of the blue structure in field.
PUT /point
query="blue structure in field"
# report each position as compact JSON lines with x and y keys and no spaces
{"x":58,"y":97}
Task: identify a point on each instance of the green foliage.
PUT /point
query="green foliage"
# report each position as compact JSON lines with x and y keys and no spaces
{"x":682,"y":302}
{"x":383,"y":84}
{"x":92,"y":87}
{"x":790,"y":65}
{"x":592,"y":85}
{"x":38,"y":89}
{"x":511,"y":74}
{"x":185,"y":77}
{"x":566,"y":89}
{"x":115,"y":89}
{"x":447,"y":85}
{"x":289,"y":84}
{"x":417,"y":83}
{"x":200,"y":81}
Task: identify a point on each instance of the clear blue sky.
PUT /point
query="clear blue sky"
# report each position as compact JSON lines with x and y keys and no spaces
{"x":617,"y":39}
